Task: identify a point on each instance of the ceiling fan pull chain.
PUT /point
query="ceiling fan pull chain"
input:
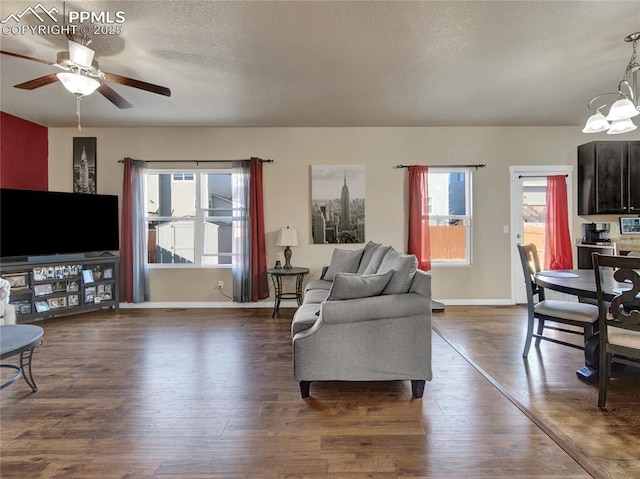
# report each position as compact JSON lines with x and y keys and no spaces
{"x":78,"y":111}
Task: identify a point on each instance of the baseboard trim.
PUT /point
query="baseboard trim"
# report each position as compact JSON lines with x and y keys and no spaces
{"x":475,"y":302}
{"x":288,"y":304}
{"x":204,"y":305}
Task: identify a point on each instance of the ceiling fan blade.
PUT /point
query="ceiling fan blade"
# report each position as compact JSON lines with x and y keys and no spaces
{"x":111,"y":95}
{"x":24,"y":57}
{"x":160,"y":90}
{"x":38,"y":82}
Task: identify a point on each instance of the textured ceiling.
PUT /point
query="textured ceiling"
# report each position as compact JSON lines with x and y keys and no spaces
{"x":335,"y":63}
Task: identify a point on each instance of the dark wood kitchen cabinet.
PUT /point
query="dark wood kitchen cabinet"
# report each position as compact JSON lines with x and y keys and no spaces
{"x":609,"y":177}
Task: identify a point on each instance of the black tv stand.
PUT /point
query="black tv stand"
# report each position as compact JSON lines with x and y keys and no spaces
{"x":45,"y":289}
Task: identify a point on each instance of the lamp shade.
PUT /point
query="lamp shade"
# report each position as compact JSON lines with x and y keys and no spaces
{"x":621,"y":126}
{"x":596,"y":123}
{"x":78,"y":84}
{"x":287,"y":237}
{"x":622,"y":109}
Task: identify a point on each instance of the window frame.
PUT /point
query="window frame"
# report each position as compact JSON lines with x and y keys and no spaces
{"x":183,"y":173}
{"x":468,"y":218}
{"x":198,"y":219}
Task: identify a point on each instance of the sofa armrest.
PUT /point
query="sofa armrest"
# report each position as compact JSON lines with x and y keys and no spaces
{"x":378,"y":307}
{"x":421,"y":283}
{"x":324,"y":271}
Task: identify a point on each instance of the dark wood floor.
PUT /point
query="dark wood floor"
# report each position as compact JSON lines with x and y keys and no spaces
{"x":209,"y":394}
{"x":545,"y":386}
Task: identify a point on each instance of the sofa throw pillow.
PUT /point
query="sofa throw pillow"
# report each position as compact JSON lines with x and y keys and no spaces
{"x":343,"y":261}
{"x":369,"y":249}
{"x":351,"y":286}
{"x":376,"y":259}
{"x":404,"y":268}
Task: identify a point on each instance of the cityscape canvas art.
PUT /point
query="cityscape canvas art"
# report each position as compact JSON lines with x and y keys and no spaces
{"x":337,"y":204}
{"x":84,"y":165}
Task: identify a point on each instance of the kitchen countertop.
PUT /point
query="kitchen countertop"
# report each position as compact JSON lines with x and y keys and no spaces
{"x":624,"y":244}
{"x":628,"y":245}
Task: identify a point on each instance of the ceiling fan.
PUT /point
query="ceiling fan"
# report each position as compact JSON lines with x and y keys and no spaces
{"x":82,"y":76}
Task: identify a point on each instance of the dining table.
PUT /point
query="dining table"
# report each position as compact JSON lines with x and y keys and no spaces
{"x":582,"y":283}
{"x":579,"y":282}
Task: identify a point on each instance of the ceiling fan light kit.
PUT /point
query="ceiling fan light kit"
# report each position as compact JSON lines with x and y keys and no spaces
{"x":82,"y":75}
{"x":625,"y":107}
{"x":78,"y":84}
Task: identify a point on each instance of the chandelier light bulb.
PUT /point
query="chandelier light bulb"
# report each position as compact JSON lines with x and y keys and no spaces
{"x":596,"y":123}
{"x":621,"y":126}
{"x":622,"y":109}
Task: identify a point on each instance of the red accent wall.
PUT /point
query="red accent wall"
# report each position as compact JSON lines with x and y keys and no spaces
{"x":24,"y":154}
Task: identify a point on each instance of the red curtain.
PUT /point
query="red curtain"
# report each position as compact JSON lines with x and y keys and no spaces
{"x":259,"y":284}
{"x":557,"y":240}
{"x":419,"y":215}
{"x":126,"y":237}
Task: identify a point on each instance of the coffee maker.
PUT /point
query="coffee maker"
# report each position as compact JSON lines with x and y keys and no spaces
{"x":596,"y":233}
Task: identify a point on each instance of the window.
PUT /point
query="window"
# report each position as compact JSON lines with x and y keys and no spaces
{"x":183,"y":177}
{"x":189,"y":217}
{"x":450,"y":216}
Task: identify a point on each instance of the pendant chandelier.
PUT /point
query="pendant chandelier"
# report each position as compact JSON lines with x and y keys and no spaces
{"x":626,"y":104}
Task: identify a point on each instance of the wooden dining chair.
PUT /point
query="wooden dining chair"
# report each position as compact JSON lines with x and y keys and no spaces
{"x":619,"y":320}
{"x":581,"y":315}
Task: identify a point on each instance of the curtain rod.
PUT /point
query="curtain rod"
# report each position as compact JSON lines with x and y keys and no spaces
{"x":539,"y":176}
{"x":446,"y":166}
{"x":195,"y":161}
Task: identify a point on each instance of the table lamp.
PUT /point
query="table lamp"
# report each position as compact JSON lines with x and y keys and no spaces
{"x":287,"y":237}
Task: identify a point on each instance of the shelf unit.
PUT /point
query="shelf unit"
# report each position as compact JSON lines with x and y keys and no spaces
{"x":42,"y":290}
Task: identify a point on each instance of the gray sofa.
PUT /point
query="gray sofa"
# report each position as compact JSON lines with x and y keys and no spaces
{"x":368,"y":318}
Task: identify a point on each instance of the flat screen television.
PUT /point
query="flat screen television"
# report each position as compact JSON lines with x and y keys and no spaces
{"x":46,"y":223}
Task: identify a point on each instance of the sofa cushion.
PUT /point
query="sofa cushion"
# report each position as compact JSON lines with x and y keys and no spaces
{"x":318,"y":284}
{"x":369,"y":249}
{"x":351,"y":286}
{"x":404,"y":268}
{"x":304,"y":317}
{"x":376,"y":259}
{"x":343,"y":261}
{"x":316,"y":296}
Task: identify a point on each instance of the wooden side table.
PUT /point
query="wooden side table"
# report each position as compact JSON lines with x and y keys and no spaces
{"x":276,"y":275}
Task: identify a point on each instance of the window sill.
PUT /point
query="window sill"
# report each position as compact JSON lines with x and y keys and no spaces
{"x":449,"y":265}
{"x":189,"y":266}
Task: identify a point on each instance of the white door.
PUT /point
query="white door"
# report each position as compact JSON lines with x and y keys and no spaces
{"x":528,"y":212}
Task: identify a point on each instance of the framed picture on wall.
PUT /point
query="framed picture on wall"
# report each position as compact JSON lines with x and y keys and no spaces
{"x":337,"y":204}
{"x":630,"y":226}
{"x":84,"y":165}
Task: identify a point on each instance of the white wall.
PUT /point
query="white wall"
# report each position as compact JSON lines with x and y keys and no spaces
{"x":287,"y":186}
